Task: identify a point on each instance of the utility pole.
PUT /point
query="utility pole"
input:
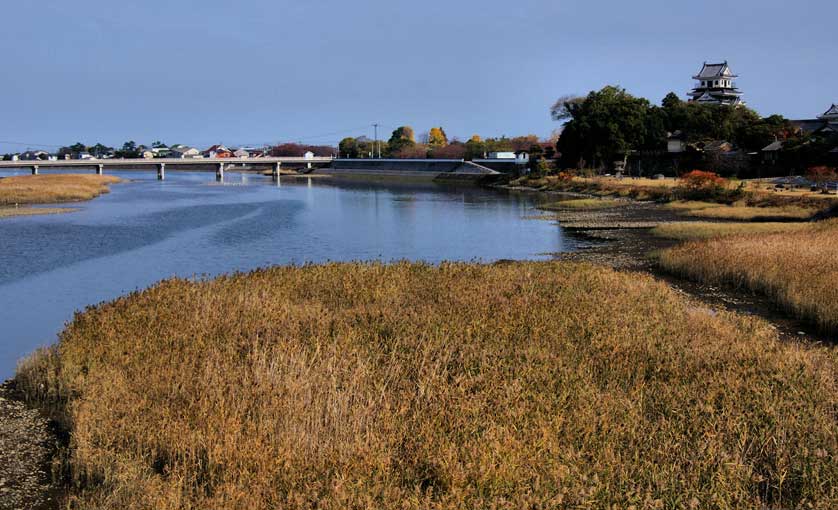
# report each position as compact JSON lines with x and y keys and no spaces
{"x":377,"y":145}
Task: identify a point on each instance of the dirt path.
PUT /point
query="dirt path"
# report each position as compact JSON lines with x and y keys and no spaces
{"x":26,"y":448}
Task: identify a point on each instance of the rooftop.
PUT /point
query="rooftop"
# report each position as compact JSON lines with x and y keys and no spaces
{"x":709,"y":71}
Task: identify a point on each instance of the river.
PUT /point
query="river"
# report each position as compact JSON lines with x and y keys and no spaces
{"x":147,"y":230}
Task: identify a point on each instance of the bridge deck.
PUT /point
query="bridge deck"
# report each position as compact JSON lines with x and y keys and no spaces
{"x":112,"y":163}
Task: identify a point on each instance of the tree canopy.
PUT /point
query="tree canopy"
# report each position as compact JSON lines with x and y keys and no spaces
{"x":437,"y":137}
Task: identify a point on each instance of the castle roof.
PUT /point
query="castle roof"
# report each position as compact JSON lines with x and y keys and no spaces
{"x":831,"y":112}
{"x":710,"y":71}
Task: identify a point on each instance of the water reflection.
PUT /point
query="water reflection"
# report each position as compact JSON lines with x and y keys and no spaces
{"x":188,"y":225}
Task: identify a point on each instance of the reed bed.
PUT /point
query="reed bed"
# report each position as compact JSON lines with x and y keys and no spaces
{"x":583,"y":203}
{"x":519,"y":385}
{"x":691,"y":230}
{"x":748,"y":213}
{"x":8,"y":212}
{"x":799,"y":270}
{"x":52,"y":189}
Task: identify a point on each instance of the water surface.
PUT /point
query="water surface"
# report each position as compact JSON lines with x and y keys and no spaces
{"x":187,"y":225}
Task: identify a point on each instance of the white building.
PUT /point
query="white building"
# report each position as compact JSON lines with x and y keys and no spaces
{"x":715,"y":85}
{"x":184,"y":152}
{"x":241,"y":153}
{"x":501,"y":155}
{"x":675,"y":142}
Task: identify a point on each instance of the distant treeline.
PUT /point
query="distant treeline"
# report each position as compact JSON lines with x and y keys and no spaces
{"x":610,"y":126}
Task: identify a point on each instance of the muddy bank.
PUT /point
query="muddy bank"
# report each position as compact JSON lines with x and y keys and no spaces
{"x":621,"y":237}
{"x":27,"y":444}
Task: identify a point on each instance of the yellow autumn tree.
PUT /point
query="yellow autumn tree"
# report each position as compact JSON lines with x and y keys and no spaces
{"x":437,"y":137}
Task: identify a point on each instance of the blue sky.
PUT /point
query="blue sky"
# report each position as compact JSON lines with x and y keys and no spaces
{"x":260,"y":71}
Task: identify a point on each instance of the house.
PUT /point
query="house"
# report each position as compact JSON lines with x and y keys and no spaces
{"x":241,"y":153}
{"x":218,"y":151}
{"x":522,"y":157}
{"x":771,"y":152}
{"x":184,"y":152}
{"x":718,"y":146}
{"x":715,"y":85}
{"x":308,"y":155}
{"x":824,"y":123}
{"x":831,"y":114}
{"x":675,"y":142}
{"x":34,"y":156}
{"x":147,"y":154}
{"x":84,"y":155}
{"x":15,"y":157}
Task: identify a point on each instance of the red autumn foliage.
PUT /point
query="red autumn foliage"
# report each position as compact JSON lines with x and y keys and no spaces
{"x":699,"y":179}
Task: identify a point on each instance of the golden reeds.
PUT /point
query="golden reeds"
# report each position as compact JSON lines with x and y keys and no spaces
{"x":520,"y":385}
{"x":690,"y":230}
{"x":797,"y":269}
{"x":51,"y":189}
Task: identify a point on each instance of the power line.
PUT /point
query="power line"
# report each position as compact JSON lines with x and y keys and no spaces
{"x":30,"y":144}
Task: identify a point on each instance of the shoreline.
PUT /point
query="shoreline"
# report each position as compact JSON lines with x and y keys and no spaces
{"x":33,"y":195}
{"x":621,"y":238}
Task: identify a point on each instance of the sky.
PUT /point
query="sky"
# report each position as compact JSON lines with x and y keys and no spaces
{"x":253,"y":72}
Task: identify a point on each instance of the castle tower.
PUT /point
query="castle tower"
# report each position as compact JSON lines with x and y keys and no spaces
{"x":716,"y":86}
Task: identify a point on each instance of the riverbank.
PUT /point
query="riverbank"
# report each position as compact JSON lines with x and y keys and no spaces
{"x":416,"y":386}
{"x":734,"y":258}
{"x":18,"y":192}
{"x":26,"y":448}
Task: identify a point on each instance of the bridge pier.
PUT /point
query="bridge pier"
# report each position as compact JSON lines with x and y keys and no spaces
{"x":34,"y":169}
{"x":219,"y":173}
{"x":100,"y":169}
{"x":161,"y":171}
{"x":275,"y":173}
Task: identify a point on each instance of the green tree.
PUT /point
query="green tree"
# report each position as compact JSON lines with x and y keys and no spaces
{"x":604,"y":127}
{"x":402,"y":137}
{"x":563,"y":107}
{"x":99,"y":150}
{"x":474,"y":148}
{"x":129,"y":150}
{"x":348,"y":147}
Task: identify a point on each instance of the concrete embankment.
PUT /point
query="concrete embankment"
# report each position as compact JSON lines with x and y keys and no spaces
{"x":412,"y":169}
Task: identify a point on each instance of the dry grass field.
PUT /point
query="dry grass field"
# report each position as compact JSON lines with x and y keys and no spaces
{"x":690,"y":230}
{"x":747,"y":213}
{"x":752,"y":193}
{"x":7,"y":212}
{"x":520,"y":385}
{"x":583,"y":204}
{"x":798,"y":269}
{"x":52,"y":189}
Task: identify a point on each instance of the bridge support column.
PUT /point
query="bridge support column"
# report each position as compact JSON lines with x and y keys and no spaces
{"x":219,"y":173}
{"x":100,"y":169}
{"x":161,"y":171}
{"x":275,"y":173}
{"x":34,"y":169}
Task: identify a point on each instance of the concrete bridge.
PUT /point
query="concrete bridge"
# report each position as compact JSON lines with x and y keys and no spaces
{"x":218,"y":165}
